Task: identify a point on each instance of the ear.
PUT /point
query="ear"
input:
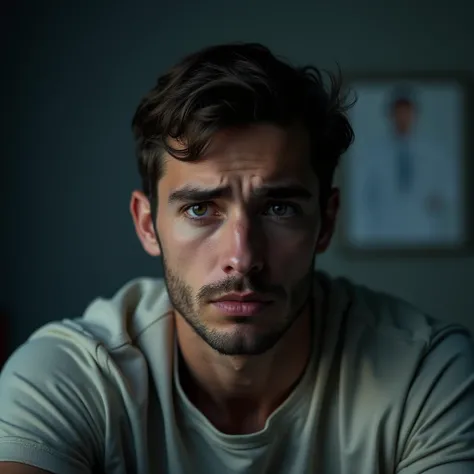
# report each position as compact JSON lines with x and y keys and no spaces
{"x":329,"y":219}
{"x":143,"y":221}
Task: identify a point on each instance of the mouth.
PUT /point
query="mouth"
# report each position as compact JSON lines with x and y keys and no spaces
{"x":241,"y":304}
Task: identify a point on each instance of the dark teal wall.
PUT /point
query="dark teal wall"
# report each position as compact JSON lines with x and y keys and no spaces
{"x":72,"y":75}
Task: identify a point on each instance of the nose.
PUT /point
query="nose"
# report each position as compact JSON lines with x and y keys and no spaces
{"x":242,"y":247}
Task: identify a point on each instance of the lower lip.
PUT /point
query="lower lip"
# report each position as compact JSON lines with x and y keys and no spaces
{"x":240,"y":308}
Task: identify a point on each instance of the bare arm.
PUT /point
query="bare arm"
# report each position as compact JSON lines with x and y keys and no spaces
{"x":17,"y":468}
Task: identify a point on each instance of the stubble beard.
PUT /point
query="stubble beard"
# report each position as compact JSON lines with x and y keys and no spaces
{"x":242,"y":340}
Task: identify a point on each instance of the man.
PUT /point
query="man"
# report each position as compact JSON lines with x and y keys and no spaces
{"x":242,"y":359}
{"x":409,"y":189}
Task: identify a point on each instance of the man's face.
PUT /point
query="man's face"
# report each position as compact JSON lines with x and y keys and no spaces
{"x":403,"y":116}
{"x":238,"y":231}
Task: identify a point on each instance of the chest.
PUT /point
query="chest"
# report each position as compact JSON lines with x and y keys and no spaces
{"x":321,"y":438}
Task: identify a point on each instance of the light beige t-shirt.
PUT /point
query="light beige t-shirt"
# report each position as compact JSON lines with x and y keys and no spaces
{"x":387,"y":390}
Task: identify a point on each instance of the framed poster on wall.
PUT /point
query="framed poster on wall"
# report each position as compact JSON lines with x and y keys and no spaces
{"x":406,"y":175}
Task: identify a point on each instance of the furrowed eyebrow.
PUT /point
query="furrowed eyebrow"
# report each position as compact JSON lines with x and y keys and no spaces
{"x":196,"y":194}
{"x":190,"y":193}
{"x":284,"y":191}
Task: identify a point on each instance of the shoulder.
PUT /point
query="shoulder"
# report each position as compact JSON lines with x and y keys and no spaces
{"x":406,"y":376}
{"x":118,"y":320}
{"x":81,"y":347}
{"x":58,"y":389}
{"x":391,"y":317}
{"x":384,"y":335}
{"x":88,"y":347}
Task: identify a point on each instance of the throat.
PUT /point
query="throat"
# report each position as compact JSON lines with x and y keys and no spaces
{"x":239,"y":416}
{"x":237,"y":419}
{"x":234,"y":413}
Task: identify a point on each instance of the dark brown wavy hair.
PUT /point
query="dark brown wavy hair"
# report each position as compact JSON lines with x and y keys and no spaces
{"x":234,"y":85}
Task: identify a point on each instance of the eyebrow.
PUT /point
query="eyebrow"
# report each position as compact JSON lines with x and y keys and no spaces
{"x":190,"y":193}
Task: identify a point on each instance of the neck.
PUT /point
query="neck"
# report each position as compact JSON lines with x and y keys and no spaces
{"x":238,"y":393}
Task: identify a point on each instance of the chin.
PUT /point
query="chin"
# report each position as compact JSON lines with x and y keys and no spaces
{"x":241,"y":341}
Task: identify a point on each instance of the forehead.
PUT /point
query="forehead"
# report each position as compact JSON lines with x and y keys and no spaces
{"x":263,"y":153}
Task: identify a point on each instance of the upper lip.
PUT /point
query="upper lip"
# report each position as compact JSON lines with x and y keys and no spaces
{"x":248,"y":297}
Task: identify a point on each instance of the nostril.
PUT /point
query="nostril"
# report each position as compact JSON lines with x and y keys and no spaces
{"x":228,"y":269}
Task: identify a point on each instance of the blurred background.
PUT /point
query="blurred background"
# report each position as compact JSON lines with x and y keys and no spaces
{"x":72,"y":76}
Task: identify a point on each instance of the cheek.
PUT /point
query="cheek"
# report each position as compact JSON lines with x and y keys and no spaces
{"x":178,"y":235}
{"x":291,"y":251}
{"x":188,"y":247}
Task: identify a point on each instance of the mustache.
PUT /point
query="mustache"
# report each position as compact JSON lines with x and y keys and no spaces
{"x":237,"y":285}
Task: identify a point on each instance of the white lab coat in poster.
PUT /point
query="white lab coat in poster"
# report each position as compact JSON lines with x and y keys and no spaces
{"x":423,"y":210}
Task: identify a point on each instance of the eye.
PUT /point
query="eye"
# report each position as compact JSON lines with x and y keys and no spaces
{"x":281,"y":210}
{"x":197,"y":211}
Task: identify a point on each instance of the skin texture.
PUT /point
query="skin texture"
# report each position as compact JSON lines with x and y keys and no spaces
{"x":17,"y":468}
{"x":241,"y":238}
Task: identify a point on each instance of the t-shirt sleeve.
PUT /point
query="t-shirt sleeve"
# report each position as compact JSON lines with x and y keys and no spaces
{"x":51,"y":407}
{"x":437,"y":431}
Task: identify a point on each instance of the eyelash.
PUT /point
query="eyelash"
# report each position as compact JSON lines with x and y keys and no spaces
{"x":187,"y":208}
{"x":296,"y":210}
